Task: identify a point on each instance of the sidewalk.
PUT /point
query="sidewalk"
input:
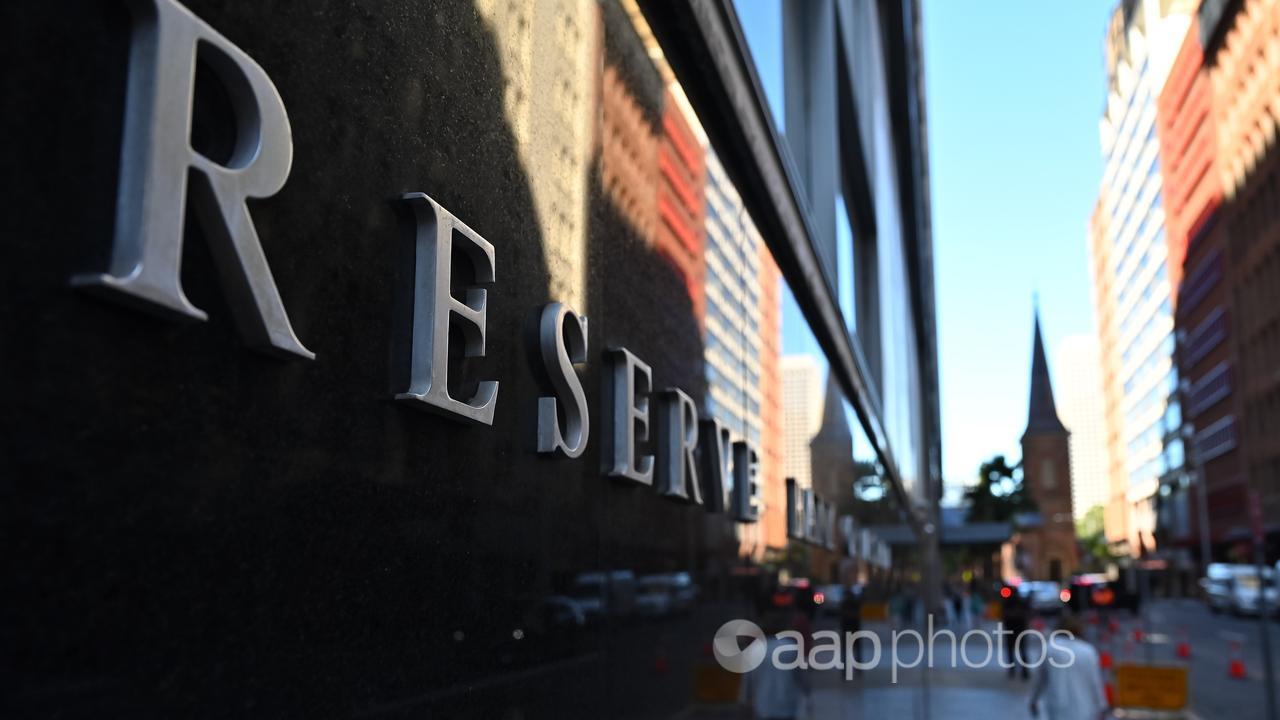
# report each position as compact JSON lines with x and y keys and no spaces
{"x":983,"y":693}
{"x":953,"y":694}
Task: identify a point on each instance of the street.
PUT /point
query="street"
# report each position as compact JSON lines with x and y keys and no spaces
{"x":1214,"y":693}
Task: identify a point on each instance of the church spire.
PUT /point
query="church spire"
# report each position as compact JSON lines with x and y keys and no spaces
{"x":1042,"y":416}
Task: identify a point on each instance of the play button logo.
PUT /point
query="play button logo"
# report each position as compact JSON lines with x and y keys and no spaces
{"x":731,"y":653}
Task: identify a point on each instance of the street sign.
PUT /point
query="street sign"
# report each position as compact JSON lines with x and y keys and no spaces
{"x":1154,"y":687}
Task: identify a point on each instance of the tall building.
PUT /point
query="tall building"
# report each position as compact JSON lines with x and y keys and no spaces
{"x":774,"y":527}
{"x":1049,"y":548}
{"x":681,"y":194}
{"x":1083,"y":412}
{"x":1193,"y":192}
{"x":1115,"y":516}
{"x":743,"y":337}
{"x":1241,"y":41}
{"x":1143,"y":37}
{"x":1217,"y":122}
{"x":801,"y":415}
{"x":832,"y":471}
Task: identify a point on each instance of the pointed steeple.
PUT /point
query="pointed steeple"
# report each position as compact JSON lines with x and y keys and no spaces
{"x":1042,"y":417}
{"x":835,"y":426}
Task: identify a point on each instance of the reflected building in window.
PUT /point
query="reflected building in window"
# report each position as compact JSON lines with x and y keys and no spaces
{"x":743,"y":336}
{"x":801,"y":415}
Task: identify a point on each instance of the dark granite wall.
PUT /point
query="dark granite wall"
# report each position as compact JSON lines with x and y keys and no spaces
{"x":194,"y":528}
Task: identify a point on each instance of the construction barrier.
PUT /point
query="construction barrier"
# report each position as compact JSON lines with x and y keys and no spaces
{"x":875,"y":611}
{"x":714,"y":684}
{"x":1150,"y":687}
{"x":995,"y":611}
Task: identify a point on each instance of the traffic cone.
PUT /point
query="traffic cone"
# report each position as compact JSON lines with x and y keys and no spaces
{"x":1236,"y":669}
{"x":1183,"y":648}
{"x":660,"y":664}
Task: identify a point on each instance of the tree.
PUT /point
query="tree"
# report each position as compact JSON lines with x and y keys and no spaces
{"x":1093,"y":541}
{"x":999,"y":494}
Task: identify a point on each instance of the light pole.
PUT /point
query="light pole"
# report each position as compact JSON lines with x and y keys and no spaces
{"x":1188,"y":433}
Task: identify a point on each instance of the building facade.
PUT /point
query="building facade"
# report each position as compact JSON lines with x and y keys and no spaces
{"x":1188,"y":145}
{"x":801,"y":415}
{"x":431,"y":438}
{"x":1217,"y":126}
{"x":1240,"y":41}
{"x":743,"y":338}
{"x":1142,"y":40}
{"x":1083,"y":412}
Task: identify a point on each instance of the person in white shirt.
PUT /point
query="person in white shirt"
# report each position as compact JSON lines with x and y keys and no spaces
{"x":1068,"y":683}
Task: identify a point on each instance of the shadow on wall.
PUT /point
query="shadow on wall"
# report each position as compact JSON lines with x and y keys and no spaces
{"x":198,"y":528}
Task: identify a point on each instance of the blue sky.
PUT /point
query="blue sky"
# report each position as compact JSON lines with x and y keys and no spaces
{"x":1014,"y":92}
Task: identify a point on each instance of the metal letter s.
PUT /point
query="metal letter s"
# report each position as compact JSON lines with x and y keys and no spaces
{"x":562,"y":340}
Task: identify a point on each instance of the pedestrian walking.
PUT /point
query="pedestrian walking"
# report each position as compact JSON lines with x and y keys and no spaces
{"x":1068,"y":683}
{"x":1016,"y":614}
{"x":851,"y":618}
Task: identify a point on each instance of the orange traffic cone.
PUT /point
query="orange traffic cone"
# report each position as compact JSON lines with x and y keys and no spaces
{"x":1183,"y":648}
{"x":1236,"y":669}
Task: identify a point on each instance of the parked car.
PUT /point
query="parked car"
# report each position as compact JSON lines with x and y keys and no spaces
{"x":611,"y":593}
{"x":828,"y":598}
{"x":559,"y":611}
{"x":1216,"y":585}
{"x":1248,"y":591}
{"x":665,"y":594}
{"x":654,"y":596}
{"x":1044,"y":596}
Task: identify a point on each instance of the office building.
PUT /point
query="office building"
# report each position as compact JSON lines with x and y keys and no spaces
{"x":1142,"y":40}
{"x":801,"y":415}
{"x":1082,"y":410}
{"x":743,"y":336}
{"x":301,"y":501}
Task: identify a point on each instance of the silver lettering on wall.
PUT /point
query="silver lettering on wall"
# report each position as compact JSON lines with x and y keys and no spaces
{"x":746,"y":487}
{"x":716,"y":452}
{"x":628,"y":381}
{"x":811,"y":518}
{"x":157,"y":158}
{"x":435,"y":309}
{"x":677,"y":442}
{"x":795,"y":511}
{"x":562,"y":341}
